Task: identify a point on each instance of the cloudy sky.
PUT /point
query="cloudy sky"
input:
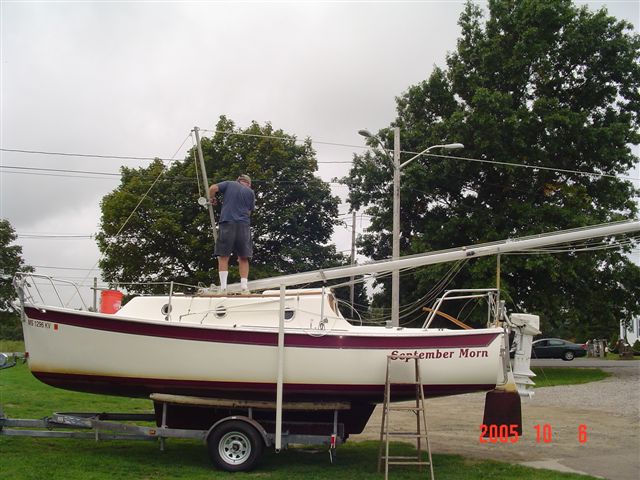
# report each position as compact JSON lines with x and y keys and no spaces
{"x":133,"y":78}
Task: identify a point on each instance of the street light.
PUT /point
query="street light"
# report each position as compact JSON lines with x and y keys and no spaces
{"x":446,"y":146}
{"x":395,"y":245}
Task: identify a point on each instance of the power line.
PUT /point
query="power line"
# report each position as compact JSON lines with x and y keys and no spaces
{"x":450,"y":157}
{"x":290,"y":139}
{"x":59,"y":175}
{"x":65,"y":268}
{"x":29,"y":169}
{"x":576,"y":172}
{"x":54,"y":235}
{"x":83,"y":155}
{"x":534,"y":167}
{"x":125,"y":157}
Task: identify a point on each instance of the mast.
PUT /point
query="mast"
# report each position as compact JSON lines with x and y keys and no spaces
{"x":443,"y":256}
{"x":205,"y":182}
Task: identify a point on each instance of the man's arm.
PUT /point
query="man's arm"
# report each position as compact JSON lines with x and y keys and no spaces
{"x":213,"y":189}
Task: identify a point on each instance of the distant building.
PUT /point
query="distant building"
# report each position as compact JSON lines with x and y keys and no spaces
{"x":632,"y":333}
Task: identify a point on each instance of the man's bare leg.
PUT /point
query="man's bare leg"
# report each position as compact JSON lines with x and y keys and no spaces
{"x":223,"y":271}
{"x":243,"y":264}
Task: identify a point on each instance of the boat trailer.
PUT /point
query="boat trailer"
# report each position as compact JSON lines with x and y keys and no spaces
{"x":235,"y":440}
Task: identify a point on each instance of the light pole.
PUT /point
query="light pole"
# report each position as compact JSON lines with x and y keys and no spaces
{"x":395,"y":244}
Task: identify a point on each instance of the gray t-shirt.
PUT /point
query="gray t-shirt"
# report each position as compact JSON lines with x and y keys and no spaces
{"x":238,"y":203}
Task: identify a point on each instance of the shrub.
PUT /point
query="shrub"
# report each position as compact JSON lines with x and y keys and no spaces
{"x":10,"y":326}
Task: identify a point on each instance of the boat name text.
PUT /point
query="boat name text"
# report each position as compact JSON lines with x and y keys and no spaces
{"x":461,"y":353}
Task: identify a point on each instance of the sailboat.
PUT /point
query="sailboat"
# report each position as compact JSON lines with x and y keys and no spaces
{"x":286,"y":343}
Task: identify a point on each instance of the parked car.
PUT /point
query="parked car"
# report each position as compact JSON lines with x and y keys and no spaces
{"x":557,"y":348}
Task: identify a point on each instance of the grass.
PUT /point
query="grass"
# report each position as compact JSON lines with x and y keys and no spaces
{"x":47,"y":458}
{"x":616,"y":356}
{"x":554,"y":376}
{"x":11,"y":345}
{"x":77,"y":460}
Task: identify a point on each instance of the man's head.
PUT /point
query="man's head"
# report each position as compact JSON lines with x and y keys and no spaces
{"x":245,"y":180}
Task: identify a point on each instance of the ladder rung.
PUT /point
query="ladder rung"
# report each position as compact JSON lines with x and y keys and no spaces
{"x":408,"y":463}
{"x":407,"y":434}
{"x":402,"y":457}
{"x":417,"y":409}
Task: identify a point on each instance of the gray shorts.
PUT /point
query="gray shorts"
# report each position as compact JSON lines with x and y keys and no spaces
{"x":234,"y":238}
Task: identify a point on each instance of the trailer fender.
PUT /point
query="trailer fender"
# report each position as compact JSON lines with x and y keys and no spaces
{"x":259,"y":428}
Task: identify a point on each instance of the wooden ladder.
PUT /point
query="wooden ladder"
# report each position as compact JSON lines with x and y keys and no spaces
{"x":421,"y":424}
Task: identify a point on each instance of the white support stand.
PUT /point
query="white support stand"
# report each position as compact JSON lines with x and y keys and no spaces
{"x":280,"y":371}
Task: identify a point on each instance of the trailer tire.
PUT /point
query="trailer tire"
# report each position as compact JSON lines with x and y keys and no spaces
{"x":235,"y":446}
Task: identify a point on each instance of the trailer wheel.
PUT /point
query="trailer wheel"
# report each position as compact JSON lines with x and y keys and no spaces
{"x":235,"y":446}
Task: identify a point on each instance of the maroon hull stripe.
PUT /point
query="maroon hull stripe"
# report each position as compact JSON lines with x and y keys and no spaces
{"x":143,"y":387}
{"x":204,"y":334}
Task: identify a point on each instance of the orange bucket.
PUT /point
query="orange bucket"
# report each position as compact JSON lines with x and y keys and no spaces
{"x":110,"y":301}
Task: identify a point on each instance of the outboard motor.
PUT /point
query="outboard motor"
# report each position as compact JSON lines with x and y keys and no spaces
{"x":525,"y":327}
{"x":502,"y":407}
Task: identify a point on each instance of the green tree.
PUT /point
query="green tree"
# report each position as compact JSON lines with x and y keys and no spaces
{"x":169,"y":236}
{"x":10,"y":262}
{"x":543,"y":84}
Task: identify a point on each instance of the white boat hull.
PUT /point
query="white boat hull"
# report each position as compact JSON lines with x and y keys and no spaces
{"x":112,"y":354}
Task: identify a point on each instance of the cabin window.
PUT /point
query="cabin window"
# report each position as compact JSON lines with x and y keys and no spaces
{"x":289,"y":313}
{"x":220,"y":312}
{"x":166,"y":309}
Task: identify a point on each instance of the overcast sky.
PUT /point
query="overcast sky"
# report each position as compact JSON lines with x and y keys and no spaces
{"x":132,"y":79}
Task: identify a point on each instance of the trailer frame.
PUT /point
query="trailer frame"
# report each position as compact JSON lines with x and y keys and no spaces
{"x":235,"y":442}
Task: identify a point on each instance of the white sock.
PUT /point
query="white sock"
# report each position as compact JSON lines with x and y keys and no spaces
{"x":223,"y":279}
{"x":243,"y":283}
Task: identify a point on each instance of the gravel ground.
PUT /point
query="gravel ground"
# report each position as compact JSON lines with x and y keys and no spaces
{"x":618,"y":395}
{"x":608,"y":409}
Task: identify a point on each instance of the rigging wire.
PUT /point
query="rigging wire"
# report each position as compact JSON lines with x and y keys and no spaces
{"x":410,"y":308}
{"x":436,"y":290}
{"x":135,"y":209}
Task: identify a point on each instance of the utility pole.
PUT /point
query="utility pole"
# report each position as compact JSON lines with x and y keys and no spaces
{"x":395,"y":245}
{"x":353,"y":259}
{"x":205,"y":182}
{"x":395,"y":255}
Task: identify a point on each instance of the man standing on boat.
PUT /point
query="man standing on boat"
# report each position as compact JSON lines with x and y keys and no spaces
{"x":234,"y":234}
